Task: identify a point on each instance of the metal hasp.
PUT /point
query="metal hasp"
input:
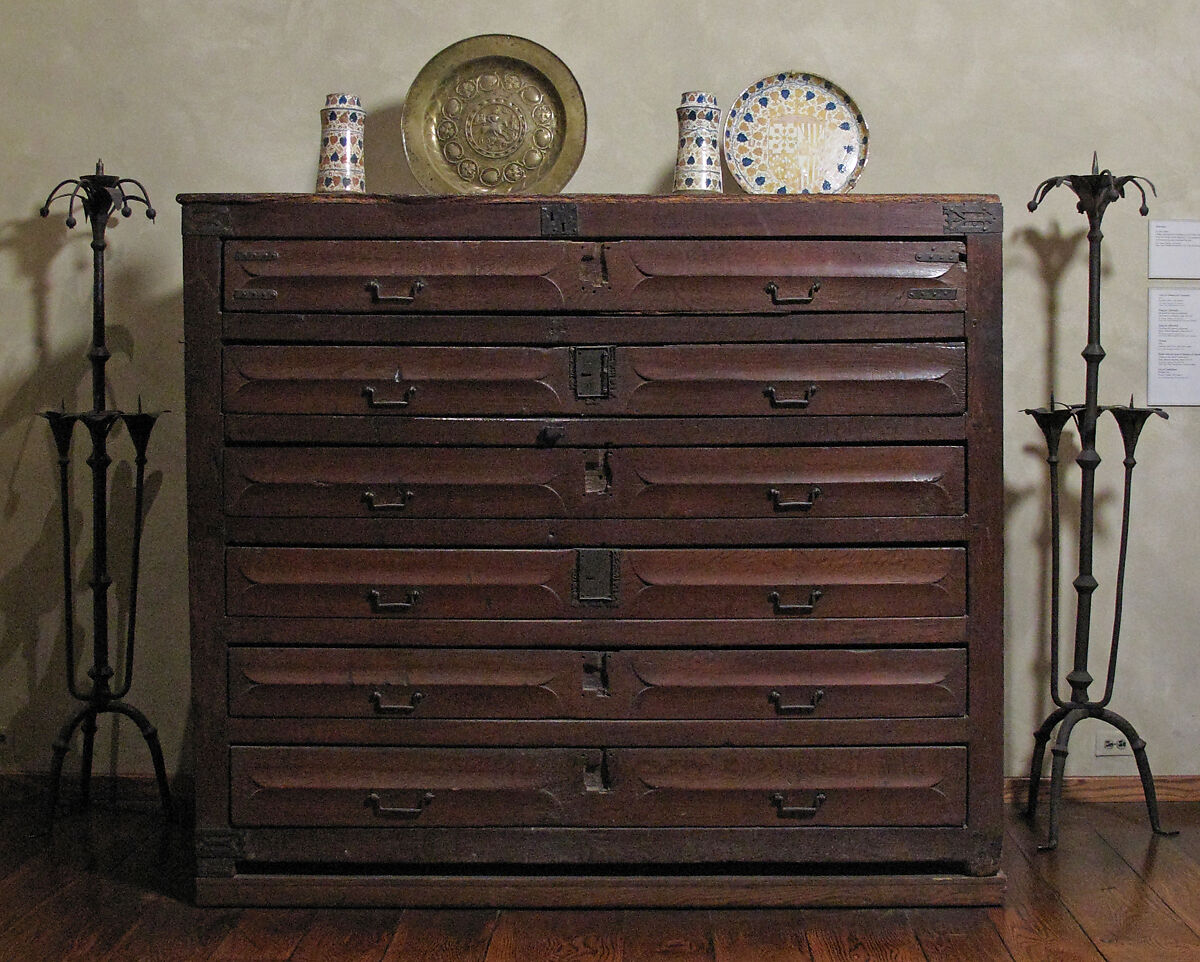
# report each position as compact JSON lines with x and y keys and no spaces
{"x":99,"y":195}
{"x":1095,"y":192}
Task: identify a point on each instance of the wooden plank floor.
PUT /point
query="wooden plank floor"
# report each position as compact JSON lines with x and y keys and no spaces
{"x":109,"y":886}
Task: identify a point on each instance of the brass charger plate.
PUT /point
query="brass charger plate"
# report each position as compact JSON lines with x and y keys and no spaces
{"x":494,"y":114}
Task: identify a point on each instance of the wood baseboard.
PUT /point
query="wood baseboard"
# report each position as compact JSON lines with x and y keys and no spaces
{"x":1110,"y":788}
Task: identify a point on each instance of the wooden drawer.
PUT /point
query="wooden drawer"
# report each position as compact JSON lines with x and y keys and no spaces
{"x":750,"y":482}
{"x":404,"y":683}
{"x":808,"y":683}
{"x":404,"y":786}
{"x":400,"y":684}
{"x":594,"y":787}
{"x":696,"y":379}
{"x":596,"y":583}
{"x":379,"y":276}
{"x":792,"y":786}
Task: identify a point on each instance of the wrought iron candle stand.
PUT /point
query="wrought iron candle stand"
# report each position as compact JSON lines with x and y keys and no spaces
{"x":1095,"y":192}
{"x":99,"y":195}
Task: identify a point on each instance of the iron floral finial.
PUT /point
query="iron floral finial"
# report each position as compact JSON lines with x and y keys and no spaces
{"x":1095,"y":190}
{"x":99,"y":194}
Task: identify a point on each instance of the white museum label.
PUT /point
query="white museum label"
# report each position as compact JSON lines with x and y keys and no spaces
{"x":1175,"y":248}
{"x":1174,"y":349}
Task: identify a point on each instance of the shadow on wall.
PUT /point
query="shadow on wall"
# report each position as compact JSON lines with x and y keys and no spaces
{"x":33,"y":634}
{"x":387,"y":167}
{"x":1053,"y":252}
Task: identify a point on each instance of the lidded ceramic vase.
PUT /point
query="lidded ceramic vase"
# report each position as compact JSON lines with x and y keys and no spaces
{"x":698,"y":162}
{"x":340,"y":165}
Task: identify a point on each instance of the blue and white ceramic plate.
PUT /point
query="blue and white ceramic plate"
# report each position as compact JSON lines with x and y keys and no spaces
{"x":795,"y":133}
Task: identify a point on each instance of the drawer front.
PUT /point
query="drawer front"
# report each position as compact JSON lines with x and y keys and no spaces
{"x":596,"y":583}
{"x":386,"y":276}
{"x":709,"y":787}
{"x":793,"y":786}
{"x":403,"y":482}
{"x":809,"y":683}
{"x":685,"y":276}
{"x":752,"y":482}
{"x":397,"y":683}
{"x":733,"y":379}
{"x":793,"y":276}
{"x":851,"y":482}
{"x":405,"y":786}
{"x":400,"y":684}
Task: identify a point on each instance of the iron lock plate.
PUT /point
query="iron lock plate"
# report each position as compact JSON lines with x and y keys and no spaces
{"x":591,"y":371}
{"x":595,"y":575}
{"x":559,"y":220}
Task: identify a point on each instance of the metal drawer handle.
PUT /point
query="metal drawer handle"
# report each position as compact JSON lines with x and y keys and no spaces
{"x":386,"y":811}
{"x":378,"y":298}
{"x":413,"y":700}
{"x":801,"y":609}
{"x":377,"y":605}
{"x":797,"y":402}
{"x":797,"y":811}
{"x":776,"y":699}
{"x":813,"y":493}
{"x":373,"y":505}
{"x":369,"y":394}
{"x":773,"y":289}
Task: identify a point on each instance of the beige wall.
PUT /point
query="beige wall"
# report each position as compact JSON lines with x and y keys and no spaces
{"x":223,"y":96}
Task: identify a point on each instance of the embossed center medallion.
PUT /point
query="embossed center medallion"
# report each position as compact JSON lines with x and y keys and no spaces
{"x":495,"y":128}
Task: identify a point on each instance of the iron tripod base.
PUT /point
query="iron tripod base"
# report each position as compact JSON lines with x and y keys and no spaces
{"x":1069,"y":716}
{"x":87,"y":717}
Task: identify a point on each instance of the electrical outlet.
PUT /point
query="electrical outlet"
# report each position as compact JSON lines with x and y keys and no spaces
{"x":1111,"y":743}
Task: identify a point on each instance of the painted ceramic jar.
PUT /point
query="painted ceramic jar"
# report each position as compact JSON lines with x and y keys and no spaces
{"x":340,"y":165}
{"x":698,"y":162}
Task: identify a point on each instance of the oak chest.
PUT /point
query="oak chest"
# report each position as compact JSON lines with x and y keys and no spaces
{"x":595,"y":550}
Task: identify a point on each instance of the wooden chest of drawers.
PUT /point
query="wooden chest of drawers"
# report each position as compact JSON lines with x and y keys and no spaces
{"x":595,"y":550}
